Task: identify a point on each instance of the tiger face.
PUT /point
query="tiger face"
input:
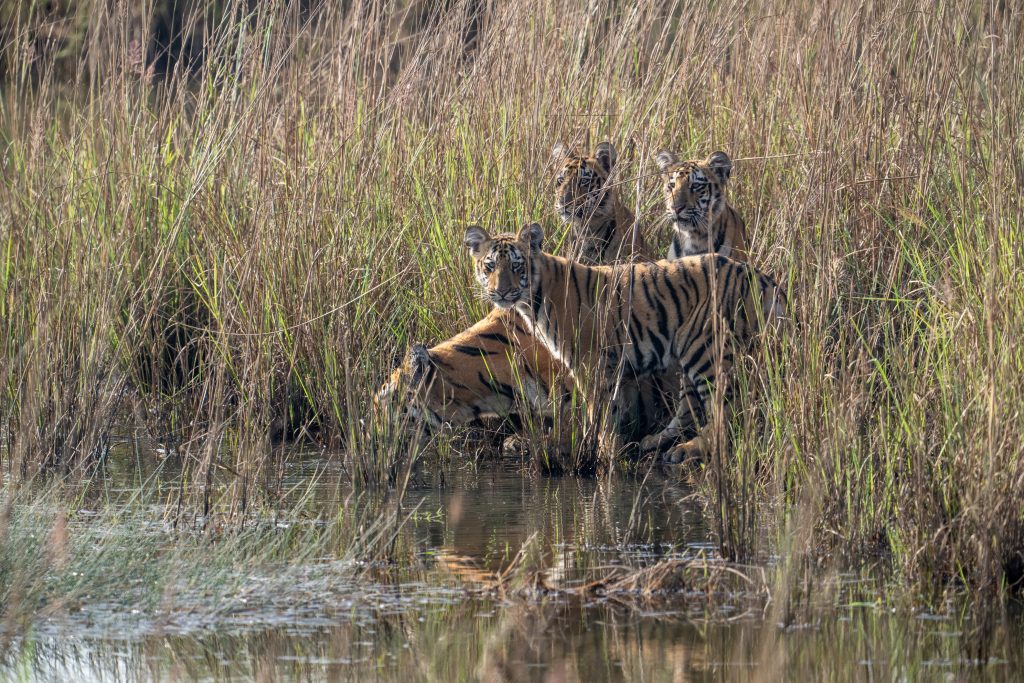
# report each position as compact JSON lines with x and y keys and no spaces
{"x":407,"y":385}
{"x":694,"y":190}
{"x":582,"y":191}
{"x":501,"y":263}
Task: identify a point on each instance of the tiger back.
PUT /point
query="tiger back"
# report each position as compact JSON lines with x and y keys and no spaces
{"x":482,"y":372}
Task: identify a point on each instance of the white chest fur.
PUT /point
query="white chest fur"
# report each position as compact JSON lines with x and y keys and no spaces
{"x":540,"y":332}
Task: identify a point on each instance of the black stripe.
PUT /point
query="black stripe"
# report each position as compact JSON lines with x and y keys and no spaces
{"x":688,"y":344}
{"x":609,"y":232}
{"x":647,"y":292}
{"x":498,"y":387}
{"x":671,"y":287}
{"x":662,"y":313}
{"x":636,"y":337}
{"x":659,"y":351}
{"x":553,"y":328}
{"x":497,"y":337}
{"x":719,"y":237}
{"x":634,"y":322}
{"x":690,"y":288}
{"x":472,"y":350}
{"x":704,"y":367}
{"x":538,"y":297}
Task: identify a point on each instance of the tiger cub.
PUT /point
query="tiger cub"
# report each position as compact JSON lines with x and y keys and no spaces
{"x":695,"y":200}
{"x":484,"y":371}
{"x":496,"y":367}
{"x":587,"y":199}
{"x":634,"y":320}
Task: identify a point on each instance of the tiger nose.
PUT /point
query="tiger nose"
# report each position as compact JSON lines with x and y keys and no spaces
{"x":510,"y":294}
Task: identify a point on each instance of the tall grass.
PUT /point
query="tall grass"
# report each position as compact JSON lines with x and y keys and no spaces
{"x":235,"y":248}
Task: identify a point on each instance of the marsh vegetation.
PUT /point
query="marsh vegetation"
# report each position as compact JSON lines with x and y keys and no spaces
{"x":222,"y":225}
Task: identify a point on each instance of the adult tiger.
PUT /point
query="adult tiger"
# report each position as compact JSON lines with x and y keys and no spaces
{"x":606,"y":323}
{"x":694,"y":194}
{"x":496,"y":367}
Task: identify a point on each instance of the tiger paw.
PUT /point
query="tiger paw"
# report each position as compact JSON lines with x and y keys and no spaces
{"x":688,"y":451}
{"x":655,"y":444}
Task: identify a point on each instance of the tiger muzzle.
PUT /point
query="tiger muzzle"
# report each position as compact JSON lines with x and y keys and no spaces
{"x":506,"y":297}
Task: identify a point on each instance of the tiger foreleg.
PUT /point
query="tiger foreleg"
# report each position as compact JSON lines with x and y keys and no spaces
{"x":692,"y":450}
{"x":689,"y":413}
{"x":614,"y":413}
{"x":713,"y":390}
{"x":699,"y":447}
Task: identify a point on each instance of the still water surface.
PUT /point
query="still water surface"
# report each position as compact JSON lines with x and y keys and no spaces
{"x":438,"y":624}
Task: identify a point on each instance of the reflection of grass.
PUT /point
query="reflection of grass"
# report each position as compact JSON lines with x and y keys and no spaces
{"x":291,"y":593}
{"x":121,"y":563}
{"x":239,"y":253}
{"x":526,"y":641}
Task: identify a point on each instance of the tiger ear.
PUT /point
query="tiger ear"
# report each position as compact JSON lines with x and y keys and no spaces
{"x":721,"y":164}
{"x":559,"y":153}
{"x":664,"y":159}
{"x":605,"y":155}
{"x":532,"y":235}
{"x":417,"y":362}
{"x":476,"y":237}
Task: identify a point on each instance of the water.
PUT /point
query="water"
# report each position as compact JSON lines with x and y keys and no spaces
{"x":445,"y":618}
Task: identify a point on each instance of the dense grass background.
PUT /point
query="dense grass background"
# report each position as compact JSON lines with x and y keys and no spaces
{"x":232,"y":241}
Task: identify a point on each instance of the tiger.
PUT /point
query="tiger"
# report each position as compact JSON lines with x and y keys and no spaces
{"x":587,"y":199}
{"x":496,"y":367}
{"x":486,"y":371}
{"x":694,"y":194}
{"x":694,"y":199}
{"x":635,"y":320}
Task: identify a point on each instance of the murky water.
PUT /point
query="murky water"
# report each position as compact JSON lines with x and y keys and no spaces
{"x":444,"y":620}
